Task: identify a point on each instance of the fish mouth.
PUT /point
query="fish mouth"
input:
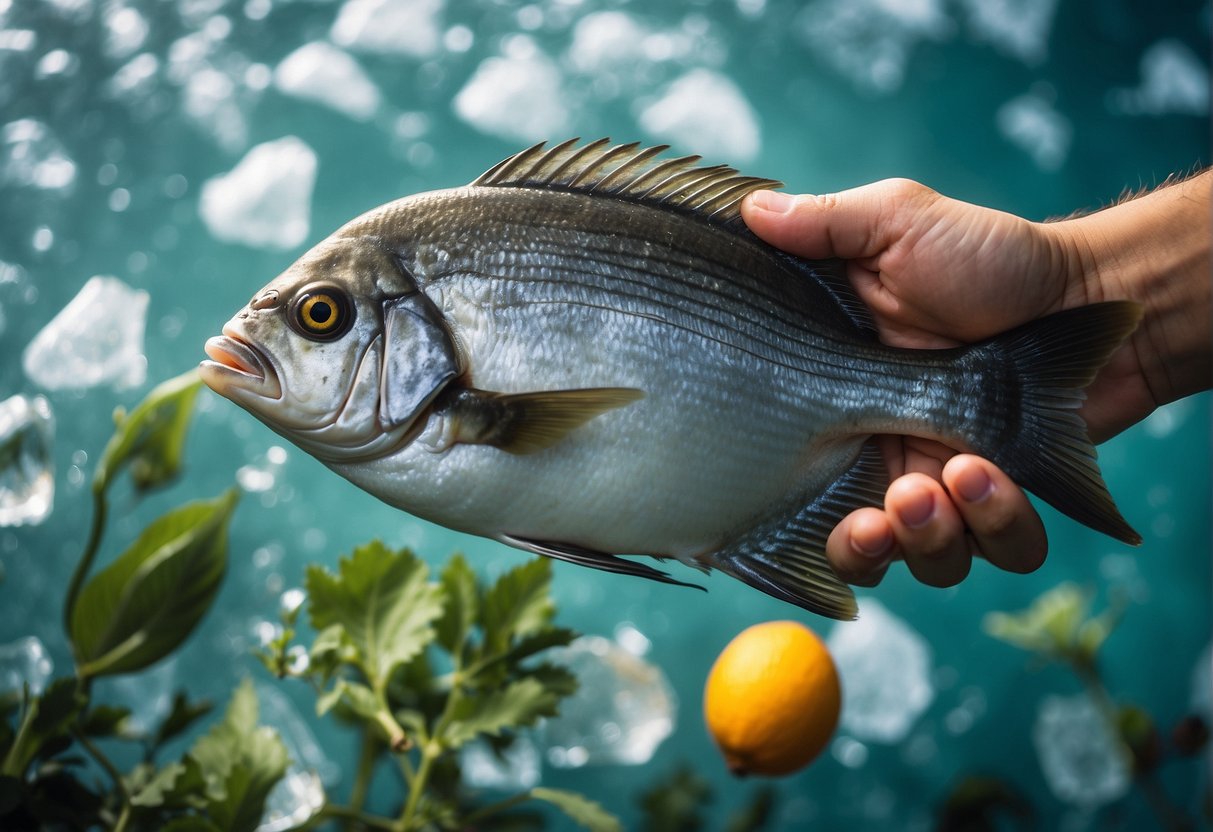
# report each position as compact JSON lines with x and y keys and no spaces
{"x":235,"y":364}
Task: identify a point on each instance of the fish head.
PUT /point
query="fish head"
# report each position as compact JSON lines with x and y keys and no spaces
{"x":312,"y":353}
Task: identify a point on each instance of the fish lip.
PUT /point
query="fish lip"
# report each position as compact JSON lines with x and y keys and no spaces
{"x":235,"y":363}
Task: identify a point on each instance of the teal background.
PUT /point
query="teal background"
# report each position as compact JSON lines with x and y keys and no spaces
{"x":821,"y":131}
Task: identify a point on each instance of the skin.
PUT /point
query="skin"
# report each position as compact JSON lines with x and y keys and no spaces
{"x":937,"y":272}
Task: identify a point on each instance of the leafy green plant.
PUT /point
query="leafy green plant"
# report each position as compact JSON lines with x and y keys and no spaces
{"x":423,"y":666}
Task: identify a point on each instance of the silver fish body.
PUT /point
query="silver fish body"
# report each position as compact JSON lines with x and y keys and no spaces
{"x":585,"y":355}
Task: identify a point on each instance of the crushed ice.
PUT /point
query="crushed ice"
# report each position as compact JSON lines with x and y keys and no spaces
{"x":517,"y":97}
{"x":265,"y":201}
{"x":517,"y":768}
{"x":1019,"y":28}
{"x":623,"y":709}
{"x":1082,"y":760}
{"x":707,"y":111}
{"x":322,"y":73}
{"x":1033,"y":124}
{"x":96,"y":339}
{"x":27,"y":484}
{"x":31,"y":156}
{"x":407,"y":27}
{"x":885,"y":667}
{"x":1173,"y":80}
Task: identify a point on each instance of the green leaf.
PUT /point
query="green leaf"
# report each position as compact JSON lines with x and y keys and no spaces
{"x":519,"y":703}
{"x":190,"y":823}
{"x":459,"y":615}
{"x":150,"y":438}
{"x":182,"y":715}
{"x":239,"y":763}
{"x":139,"y":608}
{"x":579,"y":809}
{"x":330,"y":649}
{"x":675,"y":802}
{"x":382,"y":601}
{"x":518,"y":604}
{"x":166,"y":787}
{"x":358,"y":698}
{"x":107,"y":721}
{"x":47,"y":719}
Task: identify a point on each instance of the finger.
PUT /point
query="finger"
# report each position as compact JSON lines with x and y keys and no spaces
{"x":1005,"y":526}
{"x":850,"y":224}
{"x":861,"y":547}
{"x":929,"y":530}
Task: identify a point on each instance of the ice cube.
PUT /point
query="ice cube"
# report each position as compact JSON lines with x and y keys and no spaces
{"x":1019,"y":28}
{"x":517,"y":98}
{"x":31,"y":156}
{"x":125,"y":30}
{"x":1173,"y":80}
{"x":96,"y":339}
{"x":24,"y":661}
{"x":265,"y":201}
{"x":408,"y":27}
{"x":1031,"y":123}
{"x":707,"y":111}
{"x":518,"y":768}
{"x":322,"y":73}
{"x":623,"y":709}
{"x":300,"y":794}
{"x":1083,"y":761}
{"x":885,"y":667}
{"x":27,"y":485}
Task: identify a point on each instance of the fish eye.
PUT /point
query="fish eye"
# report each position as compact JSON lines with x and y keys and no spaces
{"x":322,"y":313}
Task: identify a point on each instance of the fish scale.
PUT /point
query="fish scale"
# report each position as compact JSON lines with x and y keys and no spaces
{"x":585,"y":354}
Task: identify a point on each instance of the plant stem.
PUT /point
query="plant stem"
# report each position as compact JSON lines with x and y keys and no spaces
{"x":431,"y":749}
{"x":100,"y":509}
{"x":347,"y":813}
{"x":367,"y":756}
{"x":10,"y":766}
{"x":494,"y":808}
{"x":125,"y":815}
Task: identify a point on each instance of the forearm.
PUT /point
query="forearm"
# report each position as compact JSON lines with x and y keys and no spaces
{"x":1154,"y":250}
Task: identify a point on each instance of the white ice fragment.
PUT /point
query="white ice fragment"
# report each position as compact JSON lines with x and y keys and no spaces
{"x":322,"y":73}
{"x":300,"y":794}
{"x":135,"y":78}
{"x":56,"y":62}
{"x":606,"y":41}
{"x":76,"y":11}
{"x":885,"y":667}
{"x":518,"y":768}
{"x":96,"y":339}
{"x":265,"y":201}
{"x":707,"y":111}
{"x":1031,"y":123}
{"x":210,"y":100}
{"x":1083,"y":761}
{"x":1173,"y":80}
{"x":27,"y":484}
{"x":869,"y":41}
{"x":31,"y":156}
{"x":623,"y":709}
{"x":408,"y":27}
{"x":1019,"y":28}
{"x":125,"y":30}
{"x":17,"y":40}
{"x":518,"y":98}
{"x":24,"y":662}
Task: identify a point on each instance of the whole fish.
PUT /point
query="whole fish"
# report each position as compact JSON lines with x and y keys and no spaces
{"x":586,"y":355}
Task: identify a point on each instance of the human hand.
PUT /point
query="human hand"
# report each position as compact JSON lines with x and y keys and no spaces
{"x":937,"y":272}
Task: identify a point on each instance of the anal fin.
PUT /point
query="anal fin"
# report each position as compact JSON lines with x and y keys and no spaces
{"x":785,"y":557}
{"x":593,"y":559}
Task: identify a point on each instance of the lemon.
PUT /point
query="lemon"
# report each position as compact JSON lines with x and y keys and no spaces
{"x":772,"y":699}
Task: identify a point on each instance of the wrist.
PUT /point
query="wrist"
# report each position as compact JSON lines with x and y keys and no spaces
{"x":1153,"y":250}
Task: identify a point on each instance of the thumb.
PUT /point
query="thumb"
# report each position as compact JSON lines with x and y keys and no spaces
{"x":852,"y":224}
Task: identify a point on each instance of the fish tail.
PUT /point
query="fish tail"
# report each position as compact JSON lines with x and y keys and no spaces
{"x":1043,"y":444}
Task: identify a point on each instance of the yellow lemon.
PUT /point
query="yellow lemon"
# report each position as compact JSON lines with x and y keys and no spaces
{"x":772,"y":699}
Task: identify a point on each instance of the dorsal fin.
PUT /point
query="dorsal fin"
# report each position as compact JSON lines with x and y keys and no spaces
{"x":627,"y":171}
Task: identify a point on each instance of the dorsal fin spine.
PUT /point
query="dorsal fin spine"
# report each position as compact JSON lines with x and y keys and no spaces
{"x":635,"y":163}
{"x":607,"y":158}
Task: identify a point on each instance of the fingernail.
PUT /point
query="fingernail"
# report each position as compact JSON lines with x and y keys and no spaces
{"x":917,"y":510}
{"x":773,"y":201}
{"x":974,"y":485}
{"x":873,"y":547}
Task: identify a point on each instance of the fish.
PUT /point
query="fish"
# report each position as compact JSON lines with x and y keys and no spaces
{"x":586,"y":355}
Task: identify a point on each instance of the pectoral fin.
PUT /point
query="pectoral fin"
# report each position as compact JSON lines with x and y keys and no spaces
{"x":523,"y":423}
{"x":595,"y":560}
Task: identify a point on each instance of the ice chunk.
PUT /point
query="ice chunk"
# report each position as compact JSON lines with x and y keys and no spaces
{"x":1019,"y":28}
{"x":31,"y":156}
{"x":1082,"y":759}
{"x":125,"y":30}
{"x":409,"y":27}
{"x":517,"y":98}
{"x":869,"y":41}
{"x":623,"y":709}
{"x":1173,"y":80}
{"x":885,"y":667}
{"x":265,"y":201}
{"x":321,"y":72}
{"x":300,"y":794}
{"x":707,"y":111}
{"x":606,"y":41}
{"x":27,"y":485}
{"x":24,"y":662}
{"x":516,"y":769}
{"x":96,"y":339}
{"x":1031,"y":123}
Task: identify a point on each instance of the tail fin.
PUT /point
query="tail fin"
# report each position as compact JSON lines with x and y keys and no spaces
{"x":1048,"y":451}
